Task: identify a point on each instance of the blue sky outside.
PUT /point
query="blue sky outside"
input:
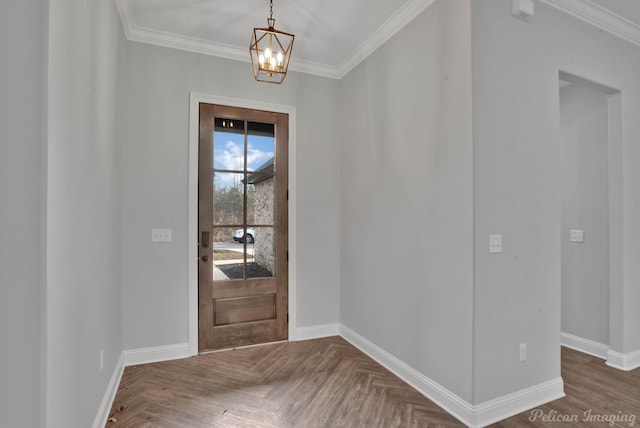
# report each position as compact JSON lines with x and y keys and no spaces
{"x":228,"y":153}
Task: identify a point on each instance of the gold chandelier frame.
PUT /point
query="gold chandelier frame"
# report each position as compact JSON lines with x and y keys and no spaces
{"x":270,"y":51}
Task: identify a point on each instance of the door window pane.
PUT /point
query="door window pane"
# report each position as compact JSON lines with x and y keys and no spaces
{"x":262,"y":263}
{"x":228,"y":144}
{"x":260,"y":146}
{"x":261,"y":188}
{"x":227,"y":253}
{"x":228,"y":198}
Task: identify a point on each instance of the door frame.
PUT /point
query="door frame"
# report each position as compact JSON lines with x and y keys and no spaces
{"x":192,"y":241}
{"x":615,"y":148}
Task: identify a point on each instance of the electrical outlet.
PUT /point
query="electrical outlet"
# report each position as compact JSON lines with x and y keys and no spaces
{"x":160,"y":235}
{"x":495,"y":244}
{"x":576,"y":236}
{"x":101,"y":360}
{"x":523,"y":352}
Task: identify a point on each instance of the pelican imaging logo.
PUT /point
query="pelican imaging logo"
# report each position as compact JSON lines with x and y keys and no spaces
{"x":588,"y":416}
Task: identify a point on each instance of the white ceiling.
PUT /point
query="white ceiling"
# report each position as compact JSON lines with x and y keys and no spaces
{"x":332,"y":36}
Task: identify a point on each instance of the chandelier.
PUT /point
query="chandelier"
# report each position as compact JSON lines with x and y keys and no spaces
{"x":270,"y":51}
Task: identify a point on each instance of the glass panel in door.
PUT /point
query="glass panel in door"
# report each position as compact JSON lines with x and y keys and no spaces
{"x":243,"y":199}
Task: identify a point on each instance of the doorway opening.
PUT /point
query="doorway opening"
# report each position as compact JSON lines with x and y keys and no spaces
{"x":591,"y":216}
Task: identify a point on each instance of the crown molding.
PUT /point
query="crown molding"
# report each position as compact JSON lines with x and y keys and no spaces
{"x":124,"y":10}
{"x":391,"y":26}
{"x":599,"y":17}
{"x":584,"y":10}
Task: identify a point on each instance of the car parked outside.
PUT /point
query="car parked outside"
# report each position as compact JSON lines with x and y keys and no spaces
{"x":238,"y":235}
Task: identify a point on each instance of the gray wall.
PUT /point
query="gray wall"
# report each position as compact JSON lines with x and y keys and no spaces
{"x":22,"y":96}
{"x":83,"y":310}
{"x":154,"y":133}
{"x":517,"y":171}
{"x":584,"y":123}
{"x":407,"y":205}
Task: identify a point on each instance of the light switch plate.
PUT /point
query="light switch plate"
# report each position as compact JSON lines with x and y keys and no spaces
{"x":495,"y":244}
{"x":577,"y":236}
{"x":160,"y":235}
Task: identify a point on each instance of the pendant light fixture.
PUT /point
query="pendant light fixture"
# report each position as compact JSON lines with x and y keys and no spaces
{"x":270,"y":51}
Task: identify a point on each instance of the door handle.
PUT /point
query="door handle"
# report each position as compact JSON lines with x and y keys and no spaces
{"x":205,"y":258}
{"x":205,"y":239}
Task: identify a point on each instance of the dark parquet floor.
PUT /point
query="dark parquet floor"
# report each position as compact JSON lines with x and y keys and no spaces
{"x":328,"y":383}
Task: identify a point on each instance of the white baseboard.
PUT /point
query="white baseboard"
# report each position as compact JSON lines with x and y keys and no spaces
{"x":156,"y":354}
{"x":317,"y":331}
{"x":471,"y":415}
{"x":427,"y":387}
{"x":509,"y":405}
{"x":110,"y":394}
{"x":132,"y":358}
{"x":584,"y":345}
{"x":626,"y":362}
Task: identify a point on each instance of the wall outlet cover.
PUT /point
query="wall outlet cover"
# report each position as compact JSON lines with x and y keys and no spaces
{"x":576,"y":235}
{"x":495,"y":244}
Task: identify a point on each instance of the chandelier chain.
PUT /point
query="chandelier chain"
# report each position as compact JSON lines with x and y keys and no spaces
{"x":271,"y":9}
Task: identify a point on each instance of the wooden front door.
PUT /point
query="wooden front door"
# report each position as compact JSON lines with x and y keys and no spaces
{"x":243,"y":221}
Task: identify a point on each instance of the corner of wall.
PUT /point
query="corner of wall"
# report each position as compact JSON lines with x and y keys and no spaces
{"x":110,"y":393}
{"x":471,"y":415}
{"x":626,"y":362}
